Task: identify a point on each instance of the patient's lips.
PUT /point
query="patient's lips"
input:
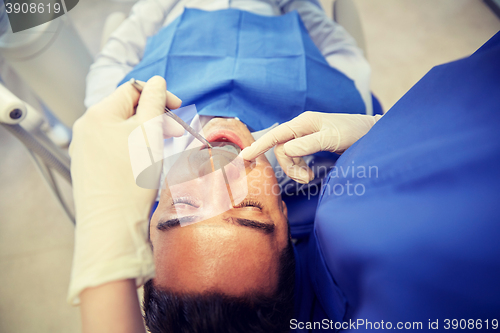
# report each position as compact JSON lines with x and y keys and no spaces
{"x":225,"y":135}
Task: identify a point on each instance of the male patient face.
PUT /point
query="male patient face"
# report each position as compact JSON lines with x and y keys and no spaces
{"x":235,"y":251}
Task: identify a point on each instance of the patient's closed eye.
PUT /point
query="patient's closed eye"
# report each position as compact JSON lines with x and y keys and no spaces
{"x":250,"y":204}
{"x":185,"y":201}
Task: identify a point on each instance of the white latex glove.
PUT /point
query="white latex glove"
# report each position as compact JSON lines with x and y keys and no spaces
{"x":111,"y":210}
{"x":309,"y":133}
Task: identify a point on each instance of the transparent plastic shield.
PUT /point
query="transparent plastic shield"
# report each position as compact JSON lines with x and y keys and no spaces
{"x":217,"y":172}
{"x":193,"y":172}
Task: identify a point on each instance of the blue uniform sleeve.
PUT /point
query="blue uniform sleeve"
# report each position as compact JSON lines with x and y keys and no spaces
{"x":408,"y":224}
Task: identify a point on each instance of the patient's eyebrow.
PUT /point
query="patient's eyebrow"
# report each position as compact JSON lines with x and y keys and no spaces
{"x":266,"y":228}
{"x":175,"y":222}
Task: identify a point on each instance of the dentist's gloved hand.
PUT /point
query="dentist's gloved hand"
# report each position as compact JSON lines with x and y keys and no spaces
{"x":309,"y":133}
{"x":111,"y":210}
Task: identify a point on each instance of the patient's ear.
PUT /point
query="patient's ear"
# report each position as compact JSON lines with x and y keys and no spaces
{"x":284,"y":209}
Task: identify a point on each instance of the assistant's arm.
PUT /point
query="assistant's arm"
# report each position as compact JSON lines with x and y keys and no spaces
{"x":335,"y":43}
{"x":112,"y":253}
{"x":113,"y":307}
{"x":125,"y":48}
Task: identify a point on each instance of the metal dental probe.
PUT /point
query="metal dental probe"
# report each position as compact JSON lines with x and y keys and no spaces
{"x":139,"y":86}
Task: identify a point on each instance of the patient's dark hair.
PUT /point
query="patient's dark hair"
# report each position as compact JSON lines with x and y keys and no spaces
{"x":166,"y":311}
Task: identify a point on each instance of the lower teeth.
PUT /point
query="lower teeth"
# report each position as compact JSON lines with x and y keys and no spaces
{"x":228,"y":148}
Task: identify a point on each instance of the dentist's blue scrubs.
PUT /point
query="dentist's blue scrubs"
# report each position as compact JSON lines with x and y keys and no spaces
{"x":421,"y":241}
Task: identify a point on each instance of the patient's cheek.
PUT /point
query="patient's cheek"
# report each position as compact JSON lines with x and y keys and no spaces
{"x":269,"y":173}
{"x":255,"y":187}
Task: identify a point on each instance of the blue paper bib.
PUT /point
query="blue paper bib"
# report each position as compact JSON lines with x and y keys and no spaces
{"x":234,"y":63}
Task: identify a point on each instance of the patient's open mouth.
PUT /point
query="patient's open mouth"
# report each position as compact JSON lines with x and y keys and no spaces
{"x":222,"y":136}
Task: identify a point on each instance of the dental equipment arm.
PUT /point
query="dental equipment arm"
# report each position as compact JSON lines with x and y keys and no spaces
{"x":112,"y":254}
{"x":309,"y":133}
